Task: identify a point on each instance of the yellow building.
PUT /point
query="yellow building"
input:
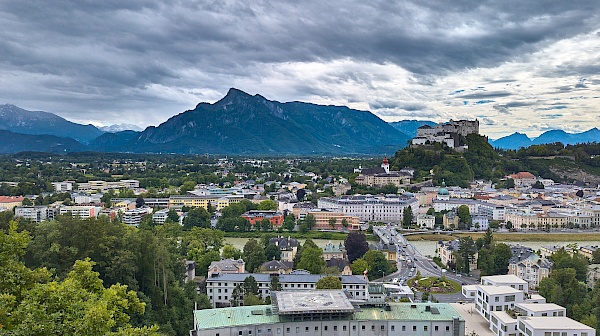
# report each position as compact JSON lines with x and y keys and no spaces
{"x":217,"y":201}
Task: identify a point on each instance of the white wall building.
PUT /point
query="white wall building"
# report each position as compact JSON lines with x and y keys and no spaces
{"x":219,"y":288}
{"x":387,"y":208}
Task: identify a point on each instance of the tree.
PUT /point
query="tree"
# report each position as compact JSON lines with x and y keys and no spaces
{"x":356,"y":245}
{"x":289,"y":222}
{"x":272,"y":252}
{"x":466,"y":251}
{"x":538,"y":185}
{"x":172,"y":215}
{"x":254,"y":255}
{"x":332,"y":221}
{"x":329,"y":282}
{"x":345,"y":223}
{"x":509,"y":225}
{"x":465,"y":216}
{"x":310,"y":221}
{"x":359,"y":266}
{"x":312,"y":260}
{"x":407,"y":217}
{"x":268,"y":205}
{"x":197,"y":217}
{"x":139,"y":202}
{"x":229,"y":251}
{"x":265,"y":225}
{"x":379,"y":266}
{"x":274,"y":285}
{"x":510,"y":183}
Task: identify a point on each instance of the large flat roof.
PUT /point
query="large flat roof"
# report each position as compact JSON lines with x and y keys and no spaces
{"x":495,"y":290}
{"x":537,"y":307}
{"x":554,"y":323}
{"x":261,"y":315}
{"x":320,"y":301}
{"x":508,"y":278}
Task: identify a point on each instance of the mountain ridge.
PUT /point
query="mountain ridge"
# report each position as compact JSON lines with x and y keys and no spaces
{"x":18,"y":120}
{"x":241,"y":123}
{"x":518,"y":140}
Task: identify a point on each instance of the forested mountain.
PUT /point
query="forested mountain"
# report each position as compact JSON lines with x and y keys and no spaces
{"x":17,"y":142}
{"x":244,"y":124}
{"x":18,"y":120}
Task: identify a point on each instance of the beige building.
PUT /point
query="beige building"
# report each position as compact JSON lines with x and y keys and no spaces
{"x":381,"y":176}
{"x":216,"y":201}
{"x":446,"y":250}
{"x":9,"y":202}
{"x":226,"y":266}
{"x":530,"y":268}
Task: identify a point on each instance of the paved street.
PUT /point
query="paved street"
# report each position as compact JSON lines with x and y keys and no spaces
{"x":410,"y":260}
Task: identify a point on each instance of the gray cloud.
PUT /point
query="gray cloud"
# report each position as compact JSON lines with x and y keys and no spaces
{"x":139,"y":61}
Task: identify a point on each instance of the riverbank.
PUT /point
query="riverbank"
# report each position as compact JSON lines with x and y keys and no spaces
{"x":297,"y":235}
{"x":514,"y":236}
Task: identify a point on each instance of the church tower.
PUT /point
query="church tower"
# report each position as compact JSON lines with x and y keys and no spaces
{"x":385,"y":165}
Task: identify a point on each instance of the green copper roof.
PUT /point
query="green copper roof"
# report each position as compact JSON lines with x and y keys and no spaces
{"x":239,"y":316}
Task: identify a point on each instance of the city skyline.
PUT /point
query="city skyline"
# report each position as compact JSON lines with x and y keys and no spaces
{"x":523,"y":67}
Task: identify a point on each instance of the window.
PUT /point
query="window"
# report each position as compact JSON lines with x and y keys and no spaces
{"x":372,"y":327}
{"x":382,"y":327}
{"x":403,"y":328}
{"x":424,"y":328}
{"x":316,"y":329}
{"x":334,"y":328}
{"x":414,"y":328}
{"x":306,"y":329}
{"x":497,"y":299}
{"x":325,"y":328}
{"x":344,"y":328}
{"x":297,"y":330}
{"x":447,"y":328}
{"x":287,"y":330}
{"x":509,"y":298}
{"x":436,"y":328}
{"x":354,"y":328}
{"x":249,"y":332}
{"x":363,"y":327}
{"x":240,"y":333}
{"x":279,"y":330}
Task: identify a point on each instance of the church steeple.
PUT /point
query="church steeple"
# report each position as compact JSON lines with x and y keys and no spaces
{"x":385,"y":164}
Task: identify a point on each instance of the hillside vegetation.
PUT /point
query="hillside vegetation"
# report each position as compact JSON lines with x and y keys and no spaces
{"x":480,"y":161}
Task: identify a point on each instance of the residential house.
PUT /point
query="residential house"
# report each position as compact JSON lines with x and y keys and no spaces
{"x":287,"y":246}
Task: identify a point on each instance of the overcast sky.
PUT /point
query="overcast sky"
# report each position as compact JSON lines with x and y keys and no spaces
{"x":516,"y":65}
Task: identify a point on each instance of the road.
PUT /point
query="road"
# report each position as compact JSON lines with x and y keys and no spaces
{"x":410,"y":260}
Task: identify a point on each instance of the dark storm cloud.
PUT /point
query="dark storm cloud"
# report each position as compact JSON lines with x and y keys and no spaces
{"x":482,"y":95}
{"x":99,"y":55}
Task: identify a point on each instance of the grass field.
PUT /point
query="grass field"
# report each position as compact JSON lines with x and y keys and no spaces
{"x":297,"y":235}
{"x":515,"y":237}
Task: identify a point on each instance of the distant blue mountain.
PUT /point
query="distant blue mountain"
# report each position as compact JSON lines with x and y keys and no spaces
{"x":18,"y":120}
{"x":518,"y":140}
{"x":409,"y":127}
{"x":513,"y":141}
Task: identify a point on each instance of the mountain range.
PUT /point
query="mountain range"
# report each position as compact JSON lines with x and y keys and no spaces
{"x":18,"y":120}
{"x":239,"y":123}
{"x":409,"y":127}
{"x":518,"y":140}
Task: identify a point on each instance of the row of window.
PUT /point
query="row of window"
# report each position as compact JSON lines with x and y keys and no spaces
{"x":335,"y":328}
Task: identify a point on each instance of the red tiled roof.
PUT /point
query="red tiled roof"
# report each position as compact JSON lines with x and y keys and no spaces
{"x":11,"y":199}
{"x":522,"y":175}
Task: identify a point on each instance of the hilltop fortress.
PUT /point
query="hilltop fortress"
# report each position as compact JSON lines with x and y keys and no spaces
{"x":447,"y":133}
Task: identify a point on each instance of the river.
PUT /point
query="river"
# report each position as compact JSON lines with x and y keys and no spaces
{"x":426,"y":247}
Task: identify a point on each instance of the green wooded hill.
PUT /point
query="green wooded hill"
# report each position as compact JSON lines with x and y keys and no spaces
{"x":244,"y":124}
{"x":570,"y":163}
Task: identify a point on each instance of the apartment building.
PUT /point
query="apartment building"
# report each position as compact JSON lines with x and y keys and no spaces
{"x":530,"y":267}
{"x":220,"y":287}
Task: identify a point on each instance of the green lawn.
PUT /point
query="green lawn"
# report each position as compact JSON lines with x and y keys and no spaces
{"x":435,"y":285}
